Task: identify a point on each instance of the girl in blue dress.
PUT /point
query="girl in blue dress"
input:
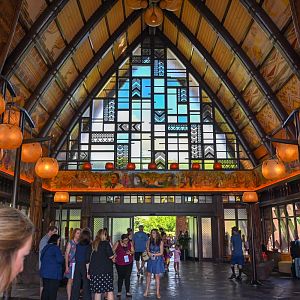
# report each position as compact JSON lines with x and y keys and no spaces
{"x":155,"y":264}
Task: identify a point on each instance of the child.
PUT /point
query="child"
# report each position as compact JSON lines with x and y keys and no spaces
{"x":167,"y":254}
{"x":177,"y":254}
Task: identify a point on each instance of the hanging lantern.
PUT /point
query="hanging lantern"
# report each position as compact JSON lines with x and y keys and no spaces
{"x":46,"y":167}
{"x":137,"y":4}
{"x":195,"y":166}
{"x":287,"y":152}
{"x":163,"y":4}
{"x":12,"y":117}
{"x":174,"y":166}
{"x":217,"y":166}
{"x":61,"y":197}
{"x":273,"y":168}
{"x":2,"y":104}
{"x":109,"y":166}
{"x":152,"y":166}
{"x":130,"y":166}
{"x":11,"y":136}
{"x":87,"y":166}
{"x":249,"y":197}
{"x":31,"y":152}
{"x":154,"y":16}
{"x":173,"y":5}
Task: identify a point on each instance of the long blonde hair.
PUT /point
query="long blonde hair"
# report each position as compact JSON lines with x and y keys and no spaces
{"x":100,"y":237}
{"x":15,"y":230}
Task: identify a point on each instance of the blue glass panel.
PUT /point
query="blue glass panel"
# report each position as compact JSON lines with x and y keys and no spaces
{"x":146,"y":88}
{"x":136,"y":105}
{"x":195,"y":118}
{"x":182,"y":109}
{"x":159,"y":85}
{"x":122,"y":137}
{"x":136,"y":116}
{"x":141,"y":71}
{"x":182,"y":119}
{"x":195,"y":106}
{"x":159,"y":101}
{"x":173,"y":82}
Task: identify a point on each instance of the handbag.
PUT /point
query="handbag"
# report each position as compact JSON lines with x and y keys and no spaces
{"x":145,"y":256}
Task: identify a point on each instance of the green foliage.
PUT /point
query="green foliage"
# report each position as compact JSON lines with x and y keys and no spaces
{"x":168,"y":223}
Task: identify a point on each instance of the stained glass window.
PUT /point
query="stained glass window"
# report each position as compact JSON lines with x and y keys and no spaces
{"x":151,"y":110}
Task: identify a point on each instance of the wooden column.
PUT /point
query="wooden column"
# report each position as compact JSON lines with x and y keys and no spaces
{"x":85,"y":212}
{"x":295,"y":7}
{"x":36,"y":212}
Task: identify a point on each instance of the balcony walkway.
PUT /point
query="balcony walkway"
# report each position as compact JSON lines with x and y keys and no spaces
{"x":205,"y":280}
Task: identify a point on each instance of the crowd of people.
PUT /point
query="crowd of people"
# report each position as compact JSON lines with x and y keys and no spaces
{"x":89,"y":264}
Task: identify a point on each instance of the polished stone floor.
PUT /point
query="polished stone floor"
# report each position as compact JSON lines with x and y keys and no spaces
{"x":204,"y":280}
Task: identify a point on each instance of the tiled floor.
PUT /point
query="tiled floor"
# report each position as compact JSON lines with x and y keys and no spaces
{"x":205,"y":280}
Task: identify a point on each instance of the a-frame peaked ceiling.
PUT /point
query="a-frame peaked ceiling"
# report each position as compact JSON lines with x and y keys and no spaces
{"x":244,"y":53}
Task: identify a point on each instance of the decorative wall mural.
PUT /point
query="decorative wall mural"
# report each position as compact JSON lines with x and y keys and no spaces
{"x":150,"y":181}
{"x":268,"y":119}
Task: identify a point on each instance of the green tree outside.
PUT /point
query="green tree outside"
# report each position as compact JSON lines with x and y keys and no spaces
{"x":168,"y":223}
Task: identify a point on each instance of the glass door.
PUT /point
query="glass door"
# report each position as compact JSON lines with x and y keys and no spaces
{"x":118,"y":226}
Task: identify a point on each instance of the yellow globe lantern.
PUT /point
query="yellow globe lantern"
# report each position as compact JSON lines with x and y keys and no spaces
{"x":173,"y":5}
{"x":273,"y":168}
{"x":250,"y":197}
{"x":11,"y":136}
{"x":31,"y":152}
{"x":287,"y":152}
{"x":134,"y":4}
{"x":61,"y":197}
{"x":46,"y":167}
{"x":2,"y":105}
{"x":154,"y":16}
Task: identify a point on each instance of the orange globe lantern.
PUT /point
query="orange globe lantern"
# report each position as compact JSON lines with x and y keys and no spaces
{"x":152,"y":166}
{"x":174,"y":166}
{"x":87,"y":166}
{"x":12,"y":117}
{"x":46,"y":167}
{"x":2,"y":105}
{"x":31,"y":152}
{"x":154,"y":16}
{"x":135,"y":4}
{"x":273,"y":168}
{"x":287,"y":152}
{"x":109,"y":166}
{"x":61,"y":197}
{"x":195,"y":166}
{"x":11,"y":136}
{"x":130,"y":166}
{"x":250,"y":197}
{"x":173,"y":5}
{"x":217,"y":166}
{"x":144,"y":3}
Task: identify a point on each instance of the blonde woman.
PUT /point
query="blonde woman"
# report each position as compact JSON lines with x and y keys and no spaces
{"x":100,"y":268}
{"x":70,"y":259}
{"x":16,"y":232}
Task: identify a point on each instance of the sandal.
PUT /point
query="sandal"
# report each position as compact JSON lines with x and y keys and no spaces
{"x":129,"y":295}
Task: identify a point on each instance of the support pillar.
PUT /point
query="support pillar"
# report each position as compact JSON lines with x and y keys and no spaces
{"x":85,"y":212}
{"x":36,"y":212}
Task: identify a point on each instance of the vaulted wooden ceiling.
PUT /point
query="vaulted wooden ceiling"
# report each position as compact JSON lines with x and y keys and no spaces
{"x":244,"y":53}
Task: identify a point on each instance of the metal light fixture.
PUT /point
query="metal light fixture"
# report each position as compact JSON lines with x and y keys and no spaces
{"x":154,"y":14}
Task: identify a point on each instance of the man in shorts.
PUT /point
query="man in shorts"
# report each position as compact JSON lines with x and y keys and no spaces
{"x":237,"y":257}
{"x":140,"y":239}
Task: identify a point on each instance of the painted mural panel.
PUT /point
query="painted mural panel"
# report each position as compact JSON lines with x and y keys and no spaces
{"x":268,"y":119}
{"x":254,"y":97}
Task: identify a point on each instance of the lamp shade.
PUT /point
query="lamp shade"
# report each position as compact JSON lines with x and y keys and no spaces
{"x":109,"y":166}
{"x":153,"y":16}
{"x":130,"y":166}
{"x":87,"y":166}
{"x":174,"y":166}
{"x":217,"y":166}
{"x":11,"y":136}
{"x":152,"y":166}
{"x":61,"y":197}
{"x":31,"y":152}
{"x":287,"y":152}
{"x":46,"y":167}
{"x":173,"y":5}
{"x":250,"y":197}
{"x":195,"y":166}
{"x":134,"y":4}
{"x":2,"y":104}
{"x":12,"y":117}
{"x":273,"y":168}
